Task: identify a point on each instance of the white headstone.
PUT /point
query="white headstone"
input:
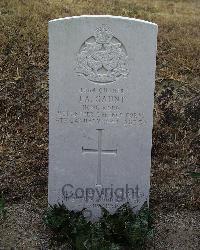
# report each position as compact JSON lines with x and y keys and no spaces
{"x":101,"y":87}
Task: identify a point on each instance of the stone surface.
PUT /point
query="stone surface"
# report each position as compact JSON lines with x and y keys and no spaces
{"x":101,"y":87}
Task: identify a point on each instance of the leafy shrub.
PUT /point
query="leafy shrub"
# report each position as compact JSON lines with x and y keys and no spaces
{"x":124,"y":229}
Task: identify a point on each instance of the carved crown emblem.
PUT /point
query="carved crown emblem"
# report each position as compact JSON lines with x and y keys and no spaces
{"x":102,"y":58}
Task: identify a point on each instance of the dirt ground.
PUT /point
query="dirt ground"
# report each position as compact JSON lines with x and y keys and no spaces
{"x":24,"y":229}
{"x":174,"y":198}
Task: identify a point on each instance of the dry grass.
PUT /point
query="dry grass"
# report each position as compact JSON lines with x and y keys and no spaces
{"x":24,"y":95}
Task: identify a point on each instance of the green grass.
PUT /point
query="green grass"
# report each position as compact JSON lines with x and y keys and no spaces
{"x":2,"y":208}
{"x":195,"y":175}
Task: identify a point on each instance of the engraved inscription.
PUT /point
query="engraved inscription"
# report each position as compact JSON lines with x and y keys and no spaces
{"x":102,"y":58}
{"x":101,"y":106}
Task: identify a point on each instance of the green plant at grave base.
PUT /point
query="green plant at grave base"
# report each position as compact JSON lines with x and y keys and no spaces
{"x":194,"y":175}
{"x":124,"y":229}
{"x":2,"y":208}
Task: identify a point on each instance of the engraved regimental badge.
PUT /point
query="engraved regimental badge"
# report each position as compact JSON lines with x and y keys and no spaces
{"x":102,"y":58}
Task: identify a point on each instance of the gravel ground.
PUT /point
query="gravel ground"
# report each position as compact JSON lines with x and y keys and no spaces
{"x":177,"y":230}
{"x":23,"y":229}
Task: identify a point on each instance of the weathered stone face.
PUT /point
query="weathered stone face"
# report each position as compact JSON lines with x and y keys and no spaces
{"x":101,"y":81}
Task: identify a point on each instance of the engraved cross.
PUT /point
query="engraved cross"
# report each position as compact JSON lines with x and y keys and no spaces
{"x":99,"y":152}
